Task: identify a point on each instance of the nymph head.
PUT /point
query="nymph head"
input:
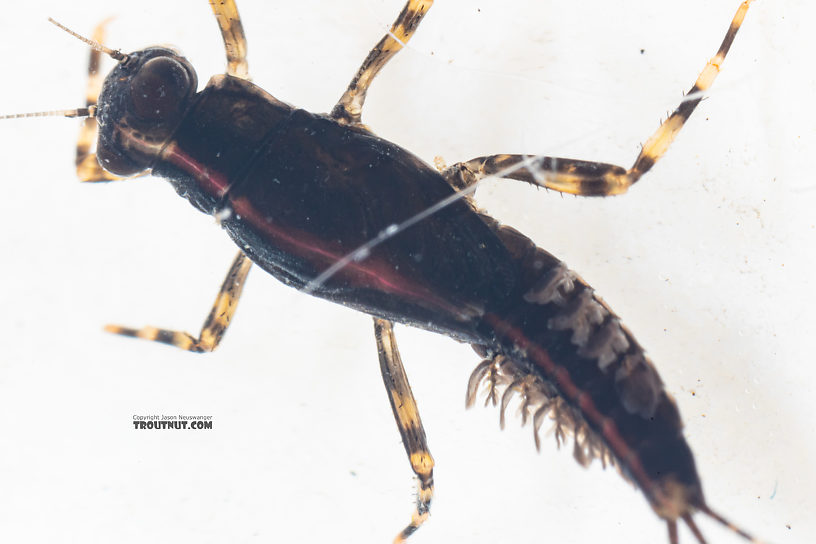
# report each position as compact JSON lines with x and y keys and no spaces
{"x":142,"y":102}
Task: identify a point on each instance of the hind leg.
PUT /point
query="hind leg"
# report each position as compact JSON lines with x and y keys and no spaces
{"x":408,"y":421}
{"x":588,"y":178}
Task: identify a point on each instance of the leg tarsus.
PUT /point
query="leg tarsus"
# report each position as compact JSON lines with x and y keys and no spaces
{"x":214,"y":326}
{"x":408,"y":421}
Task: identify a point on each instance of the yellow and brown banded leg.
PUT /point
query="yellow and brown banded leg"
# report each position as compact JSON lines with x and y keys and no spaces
{"x":350,"y":106}
{"x":216,"y":323}
{"x":229,"y":21}
{"x":594,"y":178}
{"x":409,"y":423}
{"x":87,"y":167}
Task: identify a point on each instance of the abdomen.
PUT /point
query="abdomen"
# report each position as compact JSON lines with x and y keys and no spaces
{"x":568,"y":355}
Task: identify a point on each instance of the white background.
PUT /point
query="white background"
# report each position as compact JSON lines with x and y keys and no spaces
{"x":709,"y":260}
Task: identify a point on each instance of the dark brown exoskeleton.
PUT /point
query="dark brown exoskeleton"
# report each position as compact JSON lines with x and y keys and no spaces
{"x":303,"y":195}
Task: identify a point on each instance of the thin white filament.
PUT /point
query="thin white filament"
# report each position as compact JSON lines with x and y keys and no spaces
{"x":364,"y":250}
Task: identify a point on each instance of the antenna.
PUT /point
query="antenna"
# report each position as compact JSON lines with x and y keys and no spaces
{"x":89,"y":112}
{"x":115,"y":54}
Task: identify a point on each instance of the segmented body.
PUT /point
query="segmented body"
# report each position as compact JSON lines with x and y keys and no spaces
{"x":569,"y":357}
{"x":298,"y":191}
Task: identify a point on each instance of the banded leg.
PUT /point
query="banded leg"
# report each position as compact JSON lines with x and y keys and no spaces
{"x":87,"y":167}
{"x":350,"y":106}
{"x":232,"y":31}
{"x":594,"y":178}
{"x":216,"y":323}
{"x":410,"y":425}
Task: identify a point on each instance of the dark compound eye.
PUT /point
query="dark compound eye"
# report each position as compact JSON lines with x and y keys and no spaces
{"x":160,"y":89}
